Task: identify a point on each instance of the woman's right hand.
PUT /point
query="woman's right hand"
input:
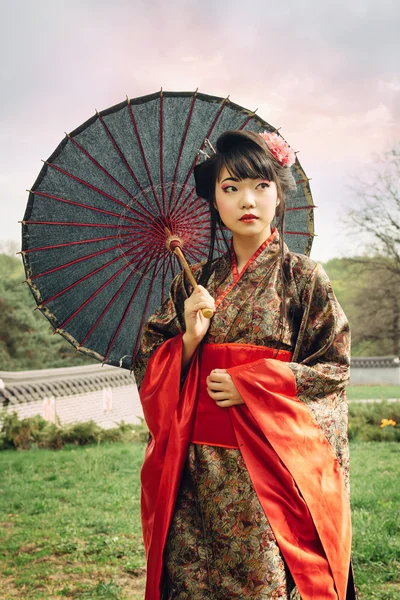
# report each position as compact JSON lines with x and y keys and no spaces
{"x":196,"y":324}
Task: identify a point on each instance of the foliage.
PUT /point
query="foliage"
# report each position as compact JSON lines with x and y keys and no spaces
{"x":374,"y":222}
{"x":365,"y":421}
{"x":26,"y":340}
{"x":36,"y":432}
{"x":363,"y":292}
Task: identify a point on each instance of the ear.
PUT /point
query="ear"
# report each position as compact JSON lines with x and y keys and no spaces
{"x":278,"y":201}
{"x":215,"y":205}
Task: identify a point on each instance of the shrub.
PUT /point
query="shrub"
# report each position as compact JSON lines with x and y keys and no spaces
{"x":365,"y":421}
{"x":36,"y":432}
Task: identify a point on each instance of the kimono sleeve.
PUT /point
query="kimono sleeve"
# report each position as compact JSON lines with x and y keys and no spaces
{"x":167,"y":322}
{"x":322,"y":352}
{"x":321,"y":365}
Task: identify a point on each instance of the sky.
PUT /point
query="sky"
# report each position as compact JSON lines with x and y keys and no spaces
{"x":326,"y":73}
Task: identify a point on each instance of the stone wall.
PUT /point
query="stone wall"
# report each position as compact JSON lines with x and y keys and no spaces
{"x":375,"y":370}
{"x":106,"y":395}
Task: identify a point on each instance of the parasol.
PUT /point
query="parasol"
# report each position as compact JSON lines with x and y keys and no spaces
{"x":104,"y":204}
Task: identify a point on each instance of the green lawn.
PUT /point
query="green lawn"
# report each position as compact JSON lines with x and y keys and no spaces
{"x":373,"y":392}
{"x":69,"y":522}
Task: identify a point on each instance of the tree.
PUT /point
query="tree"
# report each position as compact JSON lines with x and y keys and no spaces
{"x":376,"y":220}
{"x":26,"y":340}
{"x":376,"y":224}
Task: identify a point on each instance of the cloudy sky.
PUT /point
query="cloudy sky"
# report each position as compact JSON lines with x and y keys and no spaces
{"x":325,"y":72}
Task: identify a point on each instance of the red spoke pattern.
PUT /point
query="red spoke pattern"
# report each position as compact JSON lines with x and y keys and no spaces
{"x":110,"y":302}
{"x":146,"y":166}
{"x":178,"y":160}
{"x":77,"y":242}
{"x":85,"y":206}
{"x":155,"y":271}
{"x":208,"y":134}
{"x":308,"y":207}
{"x":300,"y":233}
{"x":161,"y":154}
{"x":99,"y":166}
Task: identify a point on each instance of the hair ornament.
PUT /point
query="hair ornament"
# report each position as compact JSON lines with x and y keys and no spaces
{"x":281,"y":150}
{"x":204,"y":153}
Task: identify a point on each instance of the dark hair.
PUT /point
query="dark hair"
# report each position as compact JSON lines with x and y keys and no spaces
{"x":244,"y":154}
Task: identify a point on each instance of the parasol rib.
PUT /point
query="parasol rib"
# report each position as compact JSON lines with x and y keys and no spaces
{"x":66,"y":244}
{"x":187,"y":204}
{"x":309,"y":207}
{"x":95,"y":293}
{"x":182,"y":145}
{"x":161,"y":154}
{"x":110,"y":302}
{"x":299,"y":233}
{"x":125,"y":162}
{"x":87,"y":206}
{"x":83,"y":278}
{"x":81,"y":259}
{"x":103,"y":169}
{"x":87,"y":276}
{"x":75,"y":224}
{"x":101,"y":192}
{"x":126,"y":312}
{"x":146,"y":166}
{"x":145,"y":311}
{"x":223,"y":104}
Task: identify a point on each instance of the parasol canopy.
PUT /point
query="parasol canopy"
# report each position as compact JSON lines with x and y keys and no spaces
{"x":100,"y":212}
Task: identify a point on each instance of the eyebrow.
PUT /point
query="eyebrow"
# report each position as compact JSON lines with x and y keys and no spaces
{"x":230,"y":179}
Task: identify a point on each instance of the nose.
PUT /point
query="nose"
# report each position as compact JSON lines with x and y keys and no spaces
{"x":247,"y":199}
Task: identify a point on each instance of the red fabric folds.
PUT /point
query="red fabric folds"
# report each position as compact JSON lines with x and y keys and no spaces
{"x":293,"y":469}
{"x":213,"y":425}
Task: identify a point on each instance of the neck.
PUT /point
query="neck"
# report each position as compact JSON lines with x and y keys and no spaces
{"x":244,"y":247}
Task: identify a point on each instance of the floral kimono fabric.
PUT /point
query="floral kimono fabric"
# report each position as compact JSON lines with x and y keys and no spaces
{"x":294,"y":419}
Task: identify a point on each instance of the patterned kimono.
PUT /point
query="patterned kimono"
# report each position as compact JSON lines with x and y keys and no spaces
{"x":226,"y":520}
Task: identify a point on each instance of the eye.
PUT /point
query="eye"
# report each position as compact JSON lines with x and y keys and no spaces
{"x":264,"y":185}
{"x":229,"y":189}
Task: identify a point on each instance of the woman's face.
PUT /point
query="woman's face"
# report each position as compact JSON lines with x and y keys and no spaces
{"x":246,"y":207}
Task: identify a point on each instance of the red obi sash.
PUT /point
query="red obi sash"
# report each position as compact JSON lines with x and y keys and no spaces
{"x":213,"y":424}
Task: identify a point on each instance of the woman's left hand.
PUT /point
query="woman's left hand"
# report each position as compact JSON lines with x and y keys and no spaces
{"x":220,"y":387}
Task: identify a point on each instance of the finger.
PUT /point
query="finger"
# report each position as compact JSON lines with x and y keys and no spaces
{"x":200,"y":305}
{"x":215,"y":386}
{"x":198,"y":293}
{"x":226,"y":403}
{"x":219,"y":377}
{"x":202,"y":290}
{"x":219,"y":371}
{"x":218,"y":396}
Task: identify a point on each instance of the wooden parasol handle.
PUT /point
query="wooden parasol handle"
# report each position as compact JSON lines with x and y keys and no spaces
{"x":207,"y":312}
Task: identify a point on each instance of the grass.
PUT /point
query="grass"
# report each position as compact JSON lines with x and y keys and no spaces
{"x":69,"y":523}
{"x":375,"y":474}
{"x":70,"y":526}
{"x":373,"y":392}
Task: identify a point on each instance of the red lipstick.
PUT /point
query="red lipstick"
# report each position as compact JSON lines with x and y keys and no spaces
{"x":248,"y":217}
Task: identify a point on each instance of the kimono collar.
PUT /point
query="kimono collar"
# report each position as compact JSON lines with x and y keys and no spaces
{"x":266,"y":254}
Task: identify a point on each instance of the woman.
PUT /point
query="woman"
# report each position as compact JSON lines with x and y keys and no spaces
{"x":244,"y":479}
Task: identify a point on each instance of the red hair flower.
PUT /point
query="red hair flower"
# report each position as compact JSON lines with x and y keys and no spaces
{"x":279,"y":148}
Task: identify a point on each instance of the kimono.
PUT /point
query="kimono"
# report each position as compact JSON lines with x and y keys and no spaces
{"x":250,"y":501}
